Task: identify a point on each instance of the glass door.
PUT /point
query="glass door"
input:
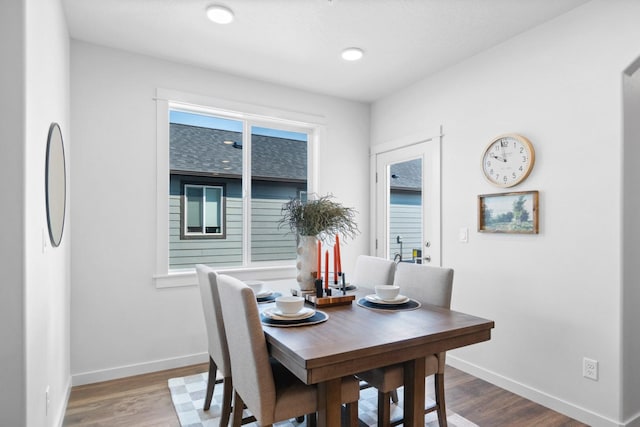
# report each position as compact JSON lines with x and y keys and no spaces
{"x":408,"y":203}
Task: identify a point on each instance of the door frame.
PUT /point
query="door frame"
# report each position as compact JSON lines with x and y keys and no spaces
{"x":433,"y":138}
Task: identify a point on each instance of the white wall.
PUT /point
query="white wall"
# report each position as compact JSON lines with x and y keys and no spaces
{"x":555,"y":297}
{"x":34,"y":299}
{"x":631,"y":243}
{"x":12,"y":369}
{"x":47,"y":280}
{"x":120,"y":323}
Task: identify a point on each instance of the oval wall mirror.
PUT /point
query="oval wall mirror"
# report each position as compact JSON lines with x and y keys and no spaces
{"x":55,"y":184}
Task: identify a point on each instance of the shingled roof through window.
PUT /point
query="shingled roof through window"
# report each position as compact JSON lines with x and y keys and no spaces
{"x":203,"y":151}
{"x":407,"y":175}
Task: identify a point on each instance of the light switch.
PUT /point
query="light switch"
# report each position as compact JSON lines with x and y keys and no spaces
{"x":463,"y":235}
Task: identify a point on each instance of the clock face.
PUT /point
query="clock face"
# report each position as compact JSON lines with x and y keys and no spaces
{"x":508,"y":160}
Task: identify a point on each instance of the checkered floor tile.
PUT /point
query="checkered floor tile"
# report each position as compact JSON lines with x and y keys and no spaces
{"x":188,"y":395}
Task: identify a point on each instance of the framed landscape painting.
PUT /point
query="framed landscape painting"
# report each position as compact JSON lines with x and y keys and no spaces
{"x":508,"y":213}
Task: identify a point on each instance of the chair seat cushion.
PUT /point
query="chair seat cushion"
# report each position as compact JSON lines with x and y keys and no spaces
{"x":389,"y":378}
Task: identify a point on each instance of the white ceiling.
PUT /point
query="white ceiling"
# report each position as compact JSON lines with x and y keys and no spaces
{"x":297,"y":43}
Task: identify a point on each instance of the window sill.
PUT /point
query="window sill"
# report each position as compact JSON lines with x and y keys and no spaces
{"x":189,"y":277}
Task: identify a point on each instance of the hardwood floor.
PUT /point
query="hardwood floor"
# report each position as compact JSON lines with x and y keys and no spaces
{"x":144,"y":400}
{"x":489,"y":406}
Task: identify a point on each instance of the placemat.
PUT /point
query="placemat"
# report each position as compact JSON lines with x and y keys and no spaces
{"x":269,"y":298}
{"x":409,"y":305}
{"x":319,"y":317}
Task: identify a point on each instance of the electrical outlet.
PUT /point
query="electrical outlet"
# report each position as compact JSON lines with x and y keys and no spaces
{"x":590,"y":368}
{"x":47,"y":401}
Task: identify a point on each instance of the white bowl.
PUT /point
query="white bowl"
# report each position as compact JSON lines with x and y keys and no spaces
{"x":256,"y":286}
{"x":387,"y":292}
{"x":289,"y":304}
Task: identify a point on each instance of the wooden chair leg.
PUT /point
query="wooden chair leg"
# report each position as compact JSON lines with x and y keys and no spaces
{"x":227,"y":394}
{"x":352,"y":414}
{"x":384,"y":409}
{"x":211,"y":383}
{"x":238,"y":407}
{"x":394,"y":396}
{"x":442,"y":410}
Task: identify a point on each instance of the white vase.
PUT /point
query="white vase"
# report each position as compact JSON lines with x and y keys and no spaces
{"x":307,"y":262}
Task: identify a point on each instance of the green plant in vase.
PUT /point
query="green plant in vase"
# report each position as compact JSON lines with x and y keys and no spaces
{"x":321,"y":219}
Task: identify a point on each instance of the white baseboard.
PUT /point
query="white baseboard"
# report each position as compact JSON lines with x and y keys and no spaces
{"x":633,"y":421}
{"x":65,"y":403}
{"x":138,"y":368}
{"x":581,"y":414}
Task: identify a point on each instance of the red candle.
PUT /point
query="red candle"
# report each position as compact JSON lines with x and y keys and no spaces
{"x":319,"y":267}
{"x":339,"y":262}
{"x":335,"y":265}
{"x":326,"y":264}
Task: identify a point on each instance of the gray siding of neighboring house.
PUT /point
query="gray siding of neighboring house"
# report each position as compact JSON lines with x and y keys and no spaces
{"x":219,"y":252}
{"x":269,"y":243}
{"x":405,"y":221}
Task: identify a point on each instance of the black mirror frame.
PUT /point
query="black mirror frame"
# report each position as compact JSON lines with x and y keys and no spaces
{"x":55,"y":184}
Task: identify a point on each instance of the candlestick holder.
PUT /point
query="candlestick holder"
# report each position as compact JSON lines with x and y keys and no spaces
{"x":330,"y":300}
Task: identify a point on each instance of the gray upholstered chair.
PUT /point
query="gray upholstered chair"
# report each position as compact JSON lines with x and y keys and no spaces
{"x":371,"y":271}
{"x":429,"y":285}
{"x":217,"y":342}
{"x":269,"y":391}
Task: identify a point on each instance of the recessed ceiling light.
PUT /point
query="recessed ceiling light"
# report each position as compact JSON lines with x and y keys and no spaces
{"x":220,"y":14}
{"x":225,"y":161}
{"x":352,"y":54}
{"x":227,"y":142}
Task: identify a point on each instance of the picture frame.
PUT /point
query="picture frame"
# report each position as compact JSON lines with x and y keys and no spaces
{"x":510,"y":213}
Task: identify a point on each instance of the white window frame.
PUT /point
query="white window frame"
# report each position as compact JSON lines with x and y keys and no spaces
{"x":254,"y":115}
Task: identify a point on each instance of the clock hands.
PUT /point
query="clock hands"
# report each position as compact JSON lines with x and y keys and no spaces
{"x":501,"y":159}
{"x":504,"y":156}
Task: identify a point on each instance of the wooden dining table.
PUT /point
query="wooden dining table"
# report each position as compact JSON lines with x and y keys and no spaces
{"x":355,"y":339}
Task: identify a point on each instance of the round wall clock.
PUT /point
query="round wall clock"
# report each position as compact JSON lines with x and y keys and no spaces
{"x":508,"y":160}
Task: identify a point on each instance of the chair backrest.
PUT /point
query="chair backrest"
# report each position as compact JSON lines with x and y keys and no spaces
{"x":251,"y":369}
{"x":218,"y":349}
{"x":371,"y":271}
{"x":427,"y":284}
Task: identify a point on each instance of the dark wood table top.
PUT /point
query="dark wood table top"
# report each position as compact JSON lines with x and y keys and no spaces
{"x":355,"y":339}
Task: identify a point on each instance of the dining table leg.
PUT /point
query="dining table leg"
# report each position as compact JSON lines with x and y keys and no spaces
{"x":329,"y":402}
{"x":414,"y":395}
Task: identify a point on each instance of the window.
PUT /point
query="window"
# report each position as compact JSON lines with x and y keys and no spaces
{"x":228,"y":179}
{"x":202,"y":212}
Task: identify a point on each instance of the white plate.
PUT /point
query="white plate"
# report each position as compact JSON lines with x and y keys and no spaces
{"x":264,"y":293}
{"x":399,"y":299}
{"x":276,"y":314}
